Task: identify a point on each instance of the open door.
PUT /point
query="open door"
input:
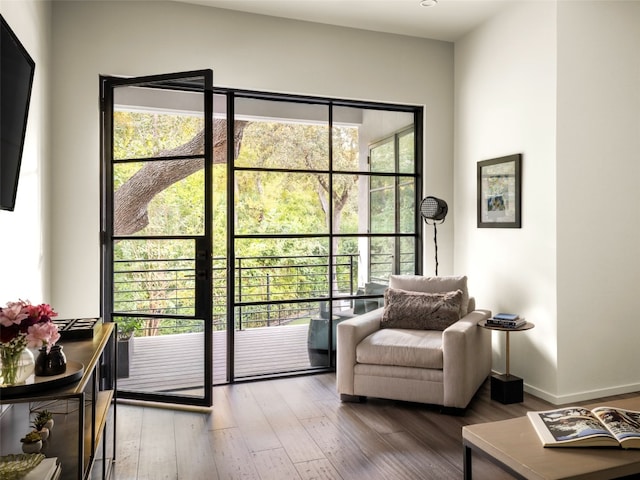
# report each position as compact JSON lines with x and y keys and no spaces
{"x":157,"y":158}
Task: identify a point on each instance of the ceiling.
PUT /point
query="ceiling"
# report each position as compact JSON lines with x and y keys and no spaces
{"x":448,"y":20}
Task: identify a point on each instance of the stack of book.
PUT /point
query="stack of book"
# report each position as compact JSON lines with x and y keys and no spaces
{"x":506,"y":320}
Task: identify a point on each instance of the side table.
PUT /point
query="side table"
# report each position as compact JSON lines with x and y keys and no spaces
{"x":507,"y":388}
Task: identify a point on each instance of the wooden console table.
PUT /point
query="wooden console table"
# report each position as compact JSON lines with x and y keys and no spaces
{"x":515,"y":447}
{"x":83,"y":437}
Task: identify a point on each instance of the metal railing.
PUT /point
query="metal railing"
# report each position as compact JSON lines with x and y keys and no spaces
{"x":268,"y":290}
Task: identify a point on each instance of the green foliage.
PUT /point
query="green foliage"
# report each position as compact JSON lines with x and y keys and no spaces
{"x":41,"y":419}
{"x":143,"y":135}
{"x":268,"y":201}
{"x":31,"y":437}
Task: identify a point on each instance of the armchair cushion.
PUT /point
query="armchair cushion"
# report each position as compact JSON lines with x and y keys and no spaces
{"x":419,"y":310}
{"x":402,"y":348}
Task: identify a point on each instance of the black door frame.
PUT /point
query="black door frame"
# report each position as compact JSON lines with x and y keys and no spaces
{"x":203,"y":260}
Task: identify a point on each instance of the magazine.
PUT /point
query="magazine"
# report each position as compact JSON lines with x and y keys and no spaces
{"x":581,"y":427}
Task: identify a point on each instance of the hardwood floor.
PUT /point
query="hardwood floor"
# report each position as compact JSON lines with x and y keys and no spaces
{"x":297,"y":428}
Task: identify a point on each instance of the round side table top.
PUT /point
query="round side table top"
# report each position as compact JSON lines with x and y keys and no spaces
{"x":526,"y":326}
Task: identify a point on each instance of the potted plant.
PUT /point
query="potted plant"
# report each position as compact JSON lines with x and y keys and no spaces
{"x":31,"y":442}
{"x":41,"y":429}
{"x":43,"y":423}
{"x":126,"y":329}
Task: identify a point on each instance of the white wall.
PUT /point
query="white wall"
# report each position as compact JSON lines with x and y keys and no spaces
{"x":505,"y":100}
{"x":558,"y":82}
{"x":245,"y":51}
{"x":24,"y":233}
{"x":598,"y":204}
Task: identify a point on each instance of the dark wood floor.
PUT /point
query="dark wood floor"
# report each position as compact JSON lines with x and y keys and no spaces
{"x":296,"y":428}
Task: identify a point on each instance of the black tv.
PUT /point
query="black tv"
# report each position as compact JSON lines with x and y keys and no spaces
{"x":16,"y":80}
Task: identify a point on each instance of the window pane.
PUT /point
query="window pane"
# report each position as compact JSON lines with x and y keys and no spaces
{"x":348,"y":154}
{"x":349,"y":209}
{"x":283,"y":135}
{"x":350,"y":142}
{"x":280,"y":203}
{"x":154,"y":276}
{"x":383,"y":157}
{"x":281,"y":269}
{"x":406,"y":147}
{"x":382,"y":256}
{"x":157,"y":123}
{"x":374,"y":128}
{"x":347,"y":265}
{"x":407,"y":262}
{"x":176,"y":208}
{"x":407,"y":205}
{"x":382,"y":205}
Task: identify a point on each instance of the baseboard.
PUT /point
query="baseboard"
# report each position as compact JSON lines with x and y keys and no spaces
{"x":581,"y":396}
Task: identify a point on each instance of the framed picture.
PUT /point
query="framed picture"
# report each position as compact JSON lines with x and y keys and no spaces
{"x":499,"y":194}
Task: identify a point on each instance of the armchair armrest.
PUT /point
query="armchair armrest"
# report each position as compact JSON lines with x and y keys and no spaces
{"x":350,"y":333}
{"x":466,"y":351}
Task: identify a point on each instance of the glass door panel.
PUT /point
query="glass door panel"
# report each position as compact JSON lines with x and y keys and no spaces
{"x":157,"y":262}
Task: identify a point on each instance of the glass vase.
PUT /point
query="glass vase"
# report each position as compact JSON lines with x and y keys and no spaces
{"x":16,"y":365}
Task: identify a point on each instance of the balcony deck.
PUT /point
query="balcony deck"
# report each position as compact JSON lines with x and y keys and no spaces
{"x":173,"y":363}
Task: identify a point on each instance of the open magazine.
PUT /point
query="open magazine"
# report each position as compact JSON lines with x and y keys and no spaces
{"x":580,"y":427}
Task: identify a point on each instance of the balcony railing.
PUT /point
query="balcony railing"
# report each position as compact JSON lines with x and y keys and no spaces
{"x":268,"y":291}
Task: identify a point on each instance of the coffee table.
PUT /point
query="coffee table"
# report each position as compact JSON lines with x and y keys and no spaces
{"x":515,"y":447}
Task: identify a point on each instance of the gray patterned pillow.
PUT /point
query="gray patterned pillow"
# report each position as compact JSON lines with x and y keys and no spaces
{"x":420,"y":311}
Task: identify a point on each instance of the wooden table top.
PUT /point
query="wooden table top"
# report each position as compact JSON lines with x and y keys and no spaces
{"x":515,"y":443}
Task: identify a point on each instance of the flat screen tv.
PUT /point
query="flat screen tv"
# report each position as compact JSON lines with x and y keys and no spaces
{"x":16,"y":80}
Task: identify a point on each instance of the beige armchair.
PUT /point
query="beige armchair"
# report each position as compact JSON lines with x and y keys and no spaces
{"x":443,"y":367}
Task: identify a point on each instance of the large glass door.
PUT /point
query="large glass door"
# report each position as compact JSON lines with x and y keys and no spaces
{"x":157,"y":216}
{"x":320,"y":215}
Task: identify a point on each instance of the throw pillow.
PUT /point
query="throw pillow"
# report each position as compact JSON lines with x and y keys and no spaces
{"x":419,"y":310}
{"x":419,"y":283}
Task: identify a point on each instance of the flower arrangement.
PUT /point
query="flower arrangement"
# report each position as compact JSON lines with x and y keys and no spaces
{"x":24,"y":325}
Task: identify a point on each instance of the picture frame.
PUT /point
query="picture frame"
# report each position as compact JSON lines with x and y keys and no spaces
{"x":499,"y":192}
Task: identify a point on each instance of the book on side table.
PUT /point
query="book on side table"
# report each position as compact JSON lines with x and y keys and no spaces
{"x":506,"y":320}
{"x":581,"y":427}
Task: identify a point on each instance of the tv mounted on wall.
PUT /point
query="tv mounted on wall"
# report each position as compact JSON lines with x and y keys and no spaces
{"x":16,"y":80}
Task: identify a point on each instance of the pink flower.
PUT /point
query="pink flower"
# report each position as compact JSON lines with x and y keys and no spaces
{"x":42,"y":312}
{"x":13,"y":314}
{"x":42,"y":334}
{"x":18,"y":319}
